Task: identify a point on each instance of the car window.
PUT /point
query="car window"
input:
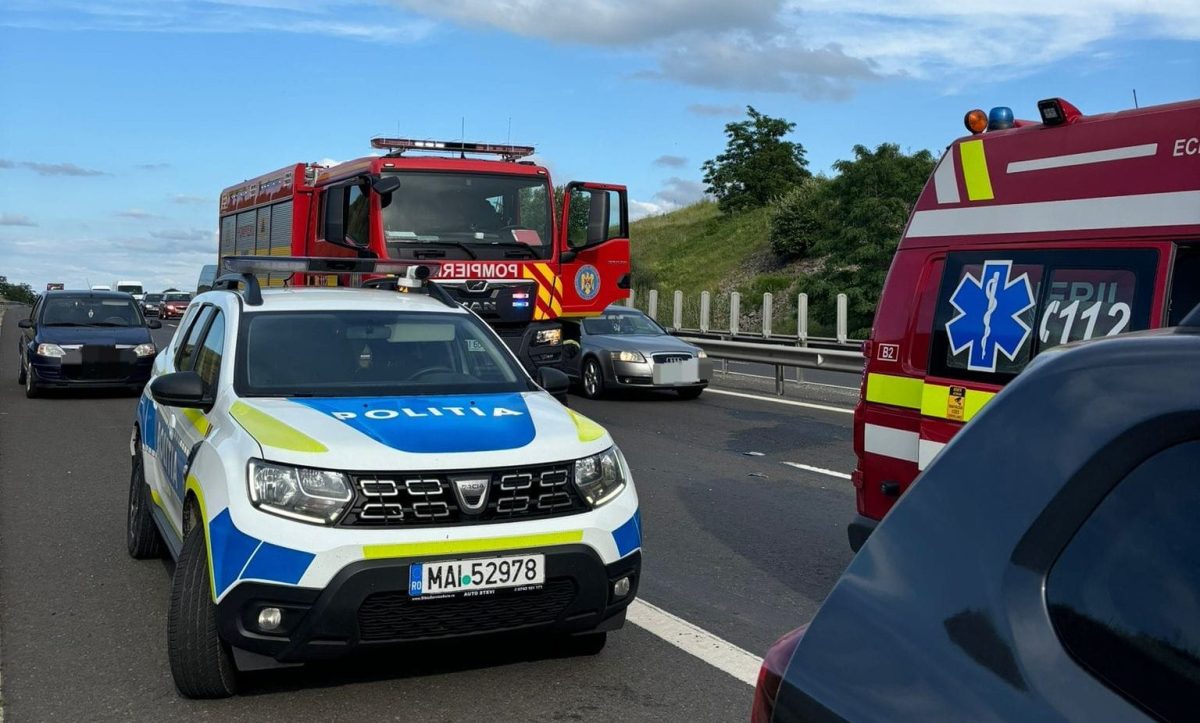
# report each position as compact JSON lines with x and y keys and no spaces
{"x":622,"y":323}
{"x":996,"y":310}
{"x":186,"y":353}
{"x":1185,"y":283}
{"x":352,"y":353}
{"x":1124,"y":596}
{"x":208,"y":360}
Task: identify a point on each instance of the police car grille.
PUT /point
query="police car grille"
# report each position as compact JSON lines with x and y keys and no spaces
{"x":396,"y":616}
{"x":412,"y":499}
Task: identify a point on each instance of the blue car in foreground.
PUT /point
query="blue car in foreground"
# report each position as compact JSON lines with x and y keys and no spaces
{"x":93,"y":339}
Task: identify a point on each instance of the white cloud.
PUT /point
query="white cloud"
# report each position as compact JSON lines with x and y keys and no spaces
{"x":669,"y":161}
{"x":675,"y":194}
{"x":707,"y":109}
{"x":51,"y":169}
{"x":16,"y":219}
{"x":81,"y":260}
{"x":137,"y":213}
{"x":184,"y":198}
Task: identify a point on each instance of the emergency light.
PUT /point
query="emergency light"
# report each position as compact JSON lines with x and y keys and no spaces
{"x":976,"y":121}
{"x":1000,"y":118}
{"x":398,"y":146}
{"x":322,"y":265}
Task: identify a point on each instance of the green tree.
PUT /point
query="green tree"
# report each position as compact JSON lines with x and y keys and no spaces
{"x":758,"y":165}
{"x":854,"y":223}
{"x":21,"y":293}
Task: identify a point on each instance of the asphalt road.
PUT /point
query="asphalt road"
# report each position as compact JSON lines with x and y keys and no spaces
{"x":742,"y":546}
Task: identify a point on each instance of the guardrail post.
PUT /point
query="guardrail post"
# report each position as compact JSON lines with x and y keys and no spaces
{"x":767,"y":310}
{"x":802,"y":319}
{"x":705,"y":310}
{"x":677,"y":311}
{"x":630,"y":301}
{"x":735,"y":312}
{"x":779,"y":380}
{"x":652,"y":304}
{"x":842,"y":313}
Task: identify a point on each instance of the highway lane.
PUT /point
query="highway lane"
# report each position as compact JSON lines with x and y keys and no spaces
{"x":742,"y":546}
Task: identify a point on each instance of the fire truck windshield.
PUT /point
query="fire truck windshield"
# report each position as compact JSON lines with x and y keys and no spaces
{"x":485,"y":212}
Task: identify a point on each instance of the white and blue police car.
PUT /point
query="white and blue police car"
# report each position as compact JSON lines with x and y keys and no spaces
{"x":336,"y":469}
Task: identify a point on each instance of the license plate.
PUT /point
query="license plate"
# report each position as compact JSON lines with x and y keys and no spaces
{"x":455,"y":576}
{"x":680,"y":372}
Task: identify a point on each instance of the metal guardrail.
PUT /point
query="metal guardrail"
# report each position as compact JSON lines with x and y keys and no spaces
{"x":778,"y":356}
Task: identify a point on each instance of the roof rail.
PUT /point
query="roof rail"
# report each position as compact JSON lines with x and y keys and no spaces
{"x":252,"y":292}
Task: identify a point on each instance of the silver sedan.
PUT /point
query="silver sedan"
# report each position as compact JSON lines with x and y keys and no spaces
{"x":625,"y":349}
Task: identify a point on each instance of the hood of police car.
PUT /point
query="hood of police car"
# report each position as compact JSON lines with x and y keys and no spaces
{"x":396,"y":433}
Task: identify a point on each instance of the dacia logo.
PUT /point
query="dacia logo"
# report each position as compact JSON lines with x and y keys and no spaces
{"x":381,"y":414}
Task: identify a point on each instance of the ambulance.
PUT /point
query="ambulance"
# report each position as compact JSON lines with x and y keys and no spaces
{"x":1029,"y":235}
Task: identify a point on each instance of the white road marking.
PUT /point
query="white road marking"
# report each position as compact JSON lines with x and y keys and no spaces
{"x":696,"y":641}
{"x":818,"y":470}
{"x":808,"y":405}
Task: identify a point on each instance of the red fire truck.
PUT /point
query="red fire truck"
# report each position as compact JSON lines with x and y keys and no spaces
{"x":1028,"y":235}
{"x":485,"y":219}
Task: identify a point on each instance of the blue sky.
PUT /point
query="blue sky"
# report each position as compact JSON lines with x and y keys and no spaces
{"x":123,"y":119}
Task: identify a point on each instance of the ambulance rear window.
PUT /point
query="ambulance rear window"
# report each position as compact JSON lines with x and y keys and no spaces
{"x":998,"y":309}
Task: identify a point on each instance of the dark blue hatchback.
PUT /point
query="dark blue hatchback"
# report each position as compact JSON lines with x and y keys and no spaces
{"x":88,"y":339}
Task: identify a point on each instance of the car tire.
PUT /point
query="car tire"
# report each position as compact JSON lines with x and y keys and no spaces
{"x":690,"y":392}
{"x":20,"y":370}
{"x":32,"y":390}
{"x":141,"y":538}
{"x":201,"y":663}
{"x":593,"y":379}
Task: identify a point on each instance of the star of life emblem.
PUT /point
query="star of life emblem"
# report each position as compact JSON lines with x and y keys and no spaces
{"x":989,"y":322}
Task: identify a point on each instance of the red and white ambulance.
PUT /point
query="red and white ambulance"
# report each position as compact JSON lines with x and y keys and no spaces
{"x":1027,"y":236}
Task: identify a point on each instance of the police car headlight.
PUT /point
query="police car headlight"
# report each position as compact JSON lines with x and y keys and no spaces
{"x":551,"y":337}
{"x":51,"y":350}
{"x":628,"y":356}
{"x":144,"y":350}
{"x":600,"y":477}
{"x":301,"y":493}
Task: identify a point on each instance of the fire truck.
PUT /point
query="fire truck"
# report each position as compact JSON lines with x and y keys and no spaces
{"x":1029,"y":235}
{"x":484,"y":219}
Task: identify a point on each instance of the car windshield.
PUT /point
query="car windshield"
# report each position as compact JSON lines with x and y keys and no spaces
{"x":177,"y":297}
{"x":89,"y":311}
{"x":475,"y":210}
{"x":371,"y":353}
{"x":154,"y":297}
{"x":623,"y":323}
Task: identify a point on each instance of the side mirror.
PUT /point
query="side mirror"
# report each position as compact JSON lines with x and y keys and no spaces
{"x":383,"y":185}
{"x":571,"y":349}
{"x":180,"y":389}
{"x":333,"y":226}
{"x":567,"y":257}
{"x":25,"y":324}
{"x":153,"y":324}
{"x":555,"y":382}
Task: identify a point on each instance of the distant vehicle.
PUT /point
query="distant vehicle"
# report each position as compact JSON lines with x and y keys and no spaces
{"x":485,"y":220}
{"x":173,"y":304}
{"x":1028,"y":235}
{"x":133,"y":288}
{"x":84,"y":339}
{"x":625,"y":349}
{"x":208,"y":275}
{"x":151,"y":303}
{"x":101,"y":287}
{"x":54,"y":286}
{"x":1046,"y":566}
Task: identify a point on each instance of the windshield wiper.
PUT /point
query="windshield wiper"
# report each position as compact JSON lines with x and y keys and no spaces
{"x":62,"y":323}
{"x":454,"y":244}
{"x":515,"y":245}
{"x":108,"y":323}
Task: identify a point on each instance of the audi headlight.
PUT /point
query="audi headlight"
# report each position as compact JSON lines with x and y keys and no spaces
{"x":301,"y":493}
{"x":600,"y":477}
{"x":144,"y":350}
{"x":51,"y":350}
{"x":628,"y":356}
{"x":552,"y":337}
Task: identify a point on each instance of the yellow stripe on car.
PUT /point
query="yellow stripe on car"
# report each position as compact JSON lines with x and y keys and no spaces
{"x":483,"y":544}
{"x":270,"y":432}
{"x":894,"y":390}
{"x":933,"y":400}
{"x":975,"y":171}
{"x":588,"y":430}
{"x":198,"y":420}
{"x":936,"y":402}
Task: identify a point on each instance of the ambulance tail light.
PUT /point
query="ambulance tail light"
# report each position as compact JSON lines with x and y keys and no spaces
{"x":770,"y":675}
{"x":1057,"y":112}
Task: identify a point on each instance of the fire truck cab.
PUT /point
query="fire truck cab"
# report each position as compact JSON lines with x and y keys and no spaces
{"x":488,"y":221}
{"x":1029,"y":235}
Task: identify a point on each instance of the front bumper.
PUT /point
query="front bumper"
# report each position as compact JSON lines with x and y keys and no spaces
{"x":640,"y":375}
{"x":70,"y":372}
{"x":367,"y":606}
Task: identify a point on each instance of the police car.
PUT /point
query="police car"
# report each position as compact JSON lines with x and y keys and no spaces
{"x":337,"y":469}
